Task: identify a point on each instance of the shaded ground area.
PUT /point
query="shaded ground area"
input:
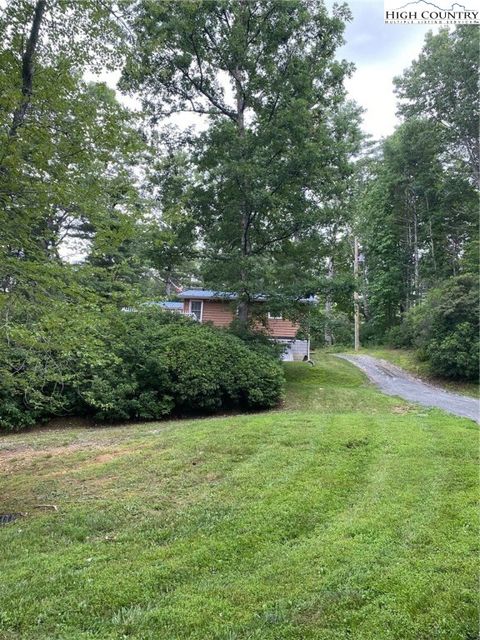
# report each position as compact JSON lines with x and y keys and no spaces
{"x":394,"y":381}
{"x":348,"y":514}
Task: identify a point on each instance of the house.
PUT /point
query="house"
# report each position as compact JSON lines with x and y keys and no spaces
{"x":216,"y":307}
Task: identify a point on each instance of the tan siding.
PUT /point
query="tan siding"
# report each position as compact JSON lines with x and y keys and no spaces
{"x":219,"y":313}
{"x":282,"y":328}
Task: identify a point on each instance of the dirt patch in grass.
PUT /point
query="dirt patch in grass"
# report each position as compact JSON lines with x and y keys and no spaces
{"x":22,"y":456}
{"x":401,"y":409}
{"x":25,"y":453}
{"x":108,"y":457}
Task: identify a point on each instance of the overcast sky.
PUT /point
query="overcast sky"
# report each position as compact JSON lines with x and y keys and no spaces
{"x":380,"y":52}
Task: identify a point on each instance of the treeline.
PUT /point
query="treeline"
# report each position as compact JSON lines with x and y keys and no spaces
{"x":416,"y":212}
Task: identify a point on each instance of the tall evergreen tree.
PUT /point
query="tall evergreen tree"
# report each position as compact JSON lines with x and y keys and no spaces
{"x":418,"y":210}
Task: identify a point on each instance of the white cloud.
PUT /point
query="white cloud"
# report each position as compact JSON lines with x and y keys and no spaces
{"x":371,"y":88}
{"x":380,"y":52}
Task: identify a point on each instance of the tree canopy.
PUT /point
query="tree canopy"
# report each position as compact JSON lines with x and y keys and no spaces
{"x":442,"y":86}
{"x":68,"y":147}
{"x":276,"y":150}
{"x":418,"y":208}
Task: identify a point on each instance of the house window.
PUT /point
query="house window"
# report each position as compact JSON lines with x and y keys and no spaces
{"x":274,"y":316}
{"x":196,"y":309}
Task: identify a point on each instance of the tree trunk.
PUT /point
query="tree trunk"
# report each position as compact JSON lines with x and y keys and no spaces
{"x":243,"y":312}
{"x":244,"y":217}
{"x":416,"y":260}
{"x":408,"y":274}
{"x":27,"y":69}
{"x":432,"y":245}
{"x":245,"y":248}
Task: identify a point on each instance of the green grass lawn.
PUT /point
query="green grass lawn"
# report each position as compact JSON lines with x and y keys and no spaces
{"x":345,"y":515}
{"x":406,"y":359}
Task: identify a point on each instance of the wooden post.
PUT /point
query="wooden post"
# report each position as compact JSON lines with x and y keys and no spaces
{"x":356,"y":296}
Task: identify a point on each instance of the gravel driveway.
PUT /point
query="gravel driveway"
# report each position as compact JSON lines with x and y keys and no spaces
{"x":396,"y":382}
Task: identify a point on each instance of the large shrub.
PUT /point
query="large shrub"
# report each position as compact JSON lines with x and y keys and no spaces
{"x":401,"y":335}
{"x":117,"y":366}
{"x":42,"y":355}
{"x":164,"y":363}
{"x":446,"y":328}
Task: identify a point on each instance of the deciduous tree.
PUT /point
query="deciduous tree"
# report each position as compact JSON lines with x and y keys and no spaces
{"x":275,"y":151}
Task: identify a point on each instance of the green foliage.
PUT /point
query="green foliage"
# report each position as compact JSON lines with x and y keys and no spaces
{"x":167,"y":363}
{"x":171,"y":231}
{"x":67,"y":188}
{"x":335,"y":323}
{"x":120,"y":366}
{"x":418,"y":210}
{"x":269,"y":156}
{"x":67,"y":184}
{"x":383,"y":249}
{"x":400,"y":335}
{"x":442,"y":85}
{"x":446,"y":328}
{"x":417,"y":217}
{"x":43,"y":358}
{"x":66,"y":144}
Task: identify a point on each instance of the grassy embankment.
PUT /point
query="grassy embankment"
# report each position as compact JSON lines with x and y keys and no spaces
{"x":347,"y":514}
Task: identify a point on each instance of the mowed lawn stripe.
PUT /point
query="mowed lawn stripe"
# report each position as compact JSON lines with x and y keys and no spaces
{"x":322,"y":523}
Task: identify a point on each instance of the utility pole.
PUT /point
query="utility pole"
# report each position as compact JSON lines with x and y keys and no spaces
{"x":328,"y":308}
{"x":356,"y":296}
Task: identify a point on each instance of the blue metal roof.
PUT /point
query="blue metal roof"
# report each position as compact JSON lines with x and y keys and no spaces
{"x":165,"y":304}
{"x":207,"y":294}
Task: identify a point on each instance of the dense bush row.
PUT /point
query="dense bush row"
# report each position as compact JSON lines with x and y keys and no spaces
{"x":445,"y":329}
{"x":120,"y":366}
